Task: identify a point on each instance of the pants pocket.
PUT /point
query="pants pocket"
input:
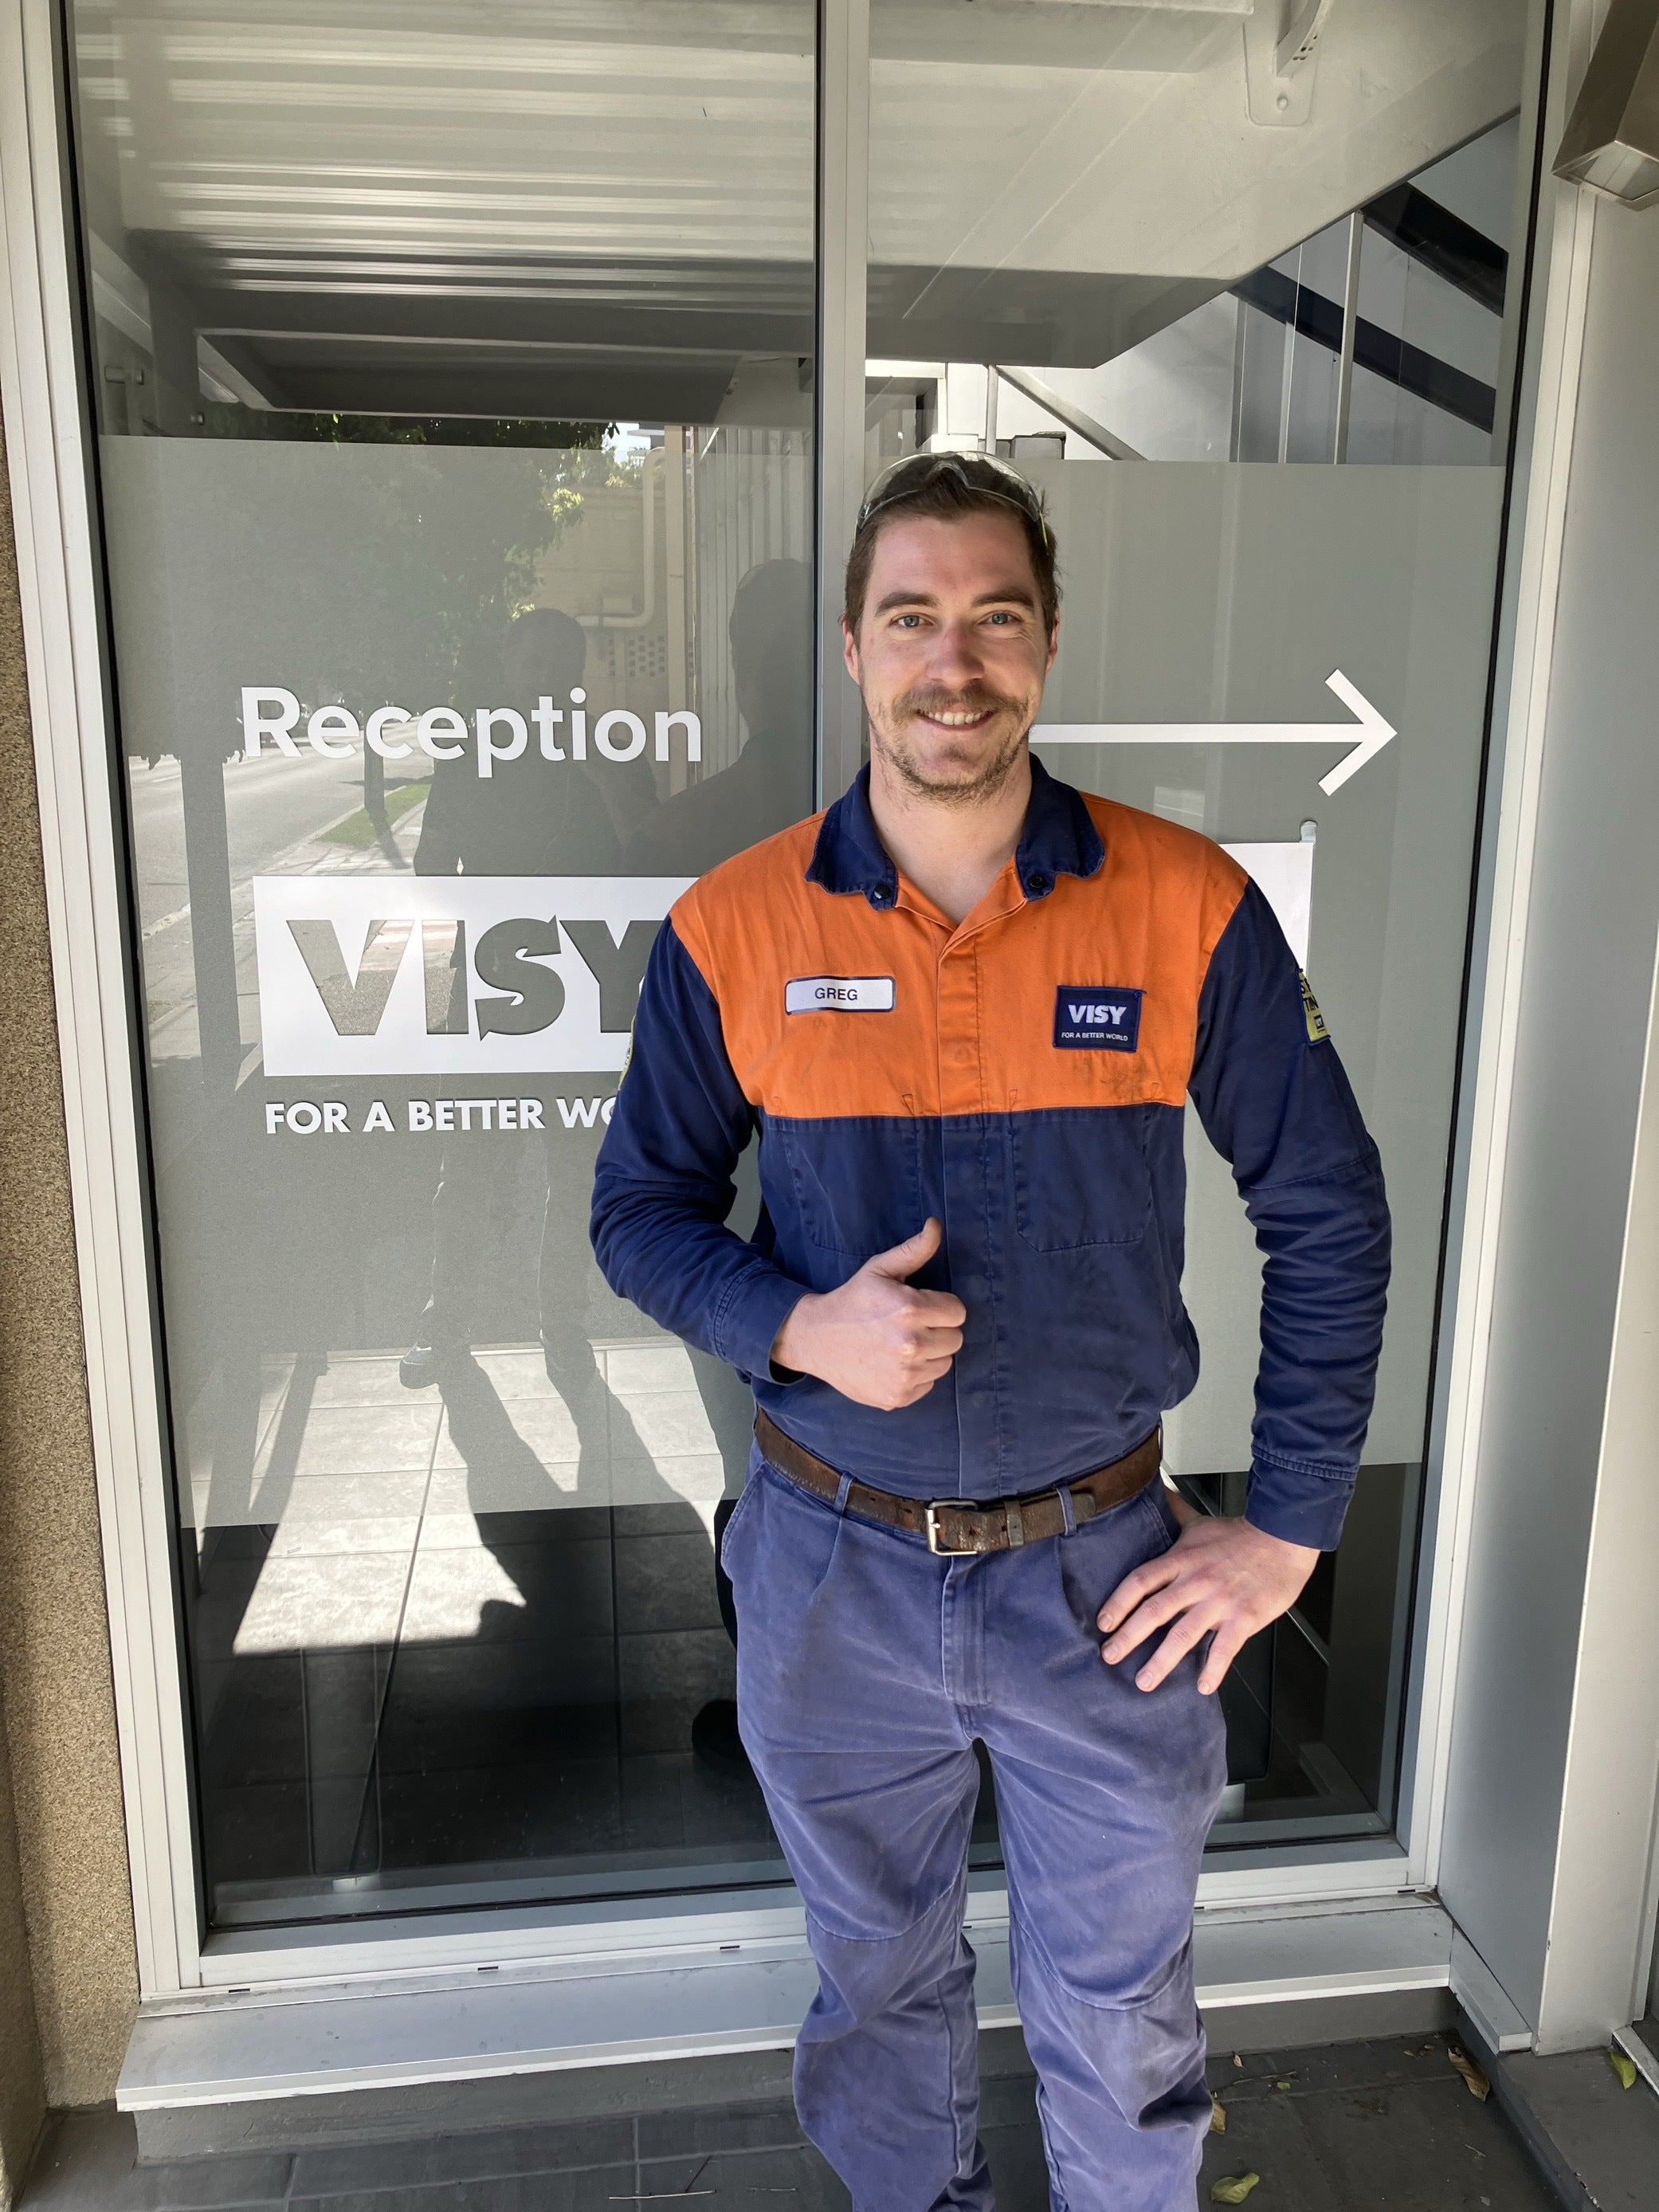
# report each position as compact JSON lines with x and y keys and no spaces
{"x":1093,"y":1562}
{"x":779,"y":1551}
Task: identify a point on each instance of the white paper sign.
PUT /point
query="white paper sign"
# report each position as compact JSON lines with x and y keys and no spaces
{"x":1284,"y":875}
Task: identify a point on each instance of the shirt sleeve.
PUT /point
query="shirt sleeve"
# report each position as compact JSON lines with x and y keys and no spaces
{"x":1275,"y":1102}
{"x":664,"y":1185}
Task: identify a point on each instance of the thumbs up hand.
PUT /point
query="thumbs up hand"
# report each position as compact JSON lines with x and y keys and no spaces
{"x":875,"y":1339}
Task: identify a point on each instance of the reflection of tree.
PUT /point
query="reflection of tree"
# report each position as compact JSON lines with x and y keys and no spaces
{"x":260,"y":426}
{"x":344,"y":559}
{"x":341,"y":583}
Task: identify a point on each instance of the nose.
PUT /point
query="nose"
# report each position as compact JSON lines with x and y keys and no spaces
{"x":956,"y":658}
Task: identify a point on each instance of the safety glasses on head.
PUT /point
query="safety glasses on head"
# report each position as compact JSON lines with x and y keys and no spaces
{"x":977,"y":472}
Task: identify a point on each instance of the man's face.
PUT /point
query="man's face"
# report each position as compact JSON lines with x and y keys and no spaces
{"x":951,"y":652}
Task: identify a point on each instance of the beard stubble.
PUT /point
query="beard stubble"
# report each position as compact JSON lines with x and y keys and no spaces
{"x":989,"y":775}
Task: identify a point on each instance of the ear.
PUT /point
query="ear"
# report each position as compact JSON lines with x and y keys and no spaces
{"x":849,"y":652}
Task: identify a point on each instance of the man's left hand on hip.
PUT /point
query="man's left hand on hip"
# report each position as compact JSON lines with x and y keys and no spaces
{"x":1223,"y":1579}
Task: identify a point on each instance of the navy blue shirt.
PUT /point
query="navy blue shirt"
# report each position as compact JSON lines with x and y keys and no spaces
{"x":1023,"y":1077}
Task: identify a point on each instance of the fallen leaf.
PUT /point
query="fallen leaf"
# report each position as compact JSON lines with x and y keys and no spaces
{"x":1623,"y":2068}
{"x":1238,"y":2061}
{"x":1283,"y":2082}
{"x":1233,"y":2190}
{"x":1474,"y":2080}
{"x":1217,"y":2116}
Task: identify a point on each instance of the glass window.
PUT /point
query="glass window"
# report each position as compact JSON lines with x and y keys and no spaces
{"x":1142,"y":253}
{"x":453,"y":372}
{"x":453,"y":376}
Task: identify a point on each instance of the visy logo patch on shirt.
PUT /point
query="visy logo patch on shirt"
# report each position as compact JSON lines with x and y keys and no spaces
{"x":838,"y":994}
{"x":1097,"y":1018}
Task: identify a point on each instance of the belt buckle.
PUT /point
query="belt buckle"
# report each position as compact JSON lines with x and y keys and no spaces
{"x":930,"y":1522}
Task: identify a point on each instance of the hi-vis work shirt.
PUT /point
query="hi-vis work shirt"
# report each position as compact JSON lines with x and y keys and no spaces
{"x":1022,"y":1077}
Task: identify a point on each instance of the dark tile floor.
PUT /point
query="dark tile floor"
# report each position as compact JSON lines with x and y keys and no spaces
{"x":1378,"y":2127}
{"x":1601,"y":2138}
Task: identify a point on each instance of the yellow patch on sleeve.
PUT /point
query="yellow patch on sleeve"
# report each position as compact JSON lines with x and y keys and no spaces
{"x":1317,"y":1030}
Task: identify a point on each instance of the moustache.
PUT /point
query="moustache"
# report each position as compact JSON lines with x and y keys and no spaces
{"x":976,"y":699}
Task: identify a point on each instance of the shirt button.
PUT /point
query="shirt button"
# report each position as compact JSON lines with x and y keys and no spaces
{"x":1037,"y":883}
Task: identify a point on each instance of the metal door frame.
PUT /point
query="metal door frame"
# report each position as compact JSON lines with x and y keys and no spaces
{"x":46,"y":415}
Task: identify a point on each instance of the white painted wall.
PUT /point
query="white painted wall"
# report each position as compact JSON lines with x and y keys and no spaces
{"x":1555,"y":1744}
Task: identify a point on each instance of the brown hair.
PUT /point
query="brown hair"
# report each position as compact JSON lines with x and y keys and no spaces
{"x":946,"y":495}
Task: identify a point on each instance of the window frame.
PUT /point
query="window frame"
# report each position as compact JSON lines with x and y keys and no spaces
{"x":43,"y":385}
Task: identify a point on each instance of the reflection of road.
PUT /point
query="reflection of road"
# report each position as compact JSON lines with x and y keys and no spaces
{"x":273,"y":805}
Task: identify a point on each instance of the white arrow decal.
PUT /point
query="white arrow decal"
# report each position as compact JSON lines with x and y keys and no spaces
{"x":1372,"y":731}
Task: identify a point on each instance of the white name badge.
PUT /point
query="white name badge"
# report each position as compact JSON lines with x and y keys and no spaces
{"x":842,"y":995}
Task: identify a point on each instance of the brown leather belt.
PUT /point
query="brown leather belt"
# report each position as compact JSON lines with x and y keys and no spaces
{"x":956,"y":1527}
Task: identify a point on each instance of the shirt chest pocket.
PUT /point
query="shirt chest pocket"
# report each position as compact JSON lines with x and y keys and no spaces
{"x":1081,"y":1177}
{"x":856,"y":1180}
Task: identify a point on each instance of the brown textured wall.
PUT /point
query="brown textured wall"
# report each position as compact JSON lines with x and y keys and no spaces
{"x":22,"y":2090}
{"x":56,"y":1700}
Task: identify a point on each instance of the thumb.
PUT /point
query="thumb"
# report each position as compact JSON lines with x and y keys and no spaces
{"x":904,"y":1259}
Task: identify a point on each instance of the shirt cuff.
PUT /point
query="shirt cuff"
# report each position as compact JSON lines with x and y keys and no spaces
{"x":1299,"y":1505}
{"x":746,"y":1326}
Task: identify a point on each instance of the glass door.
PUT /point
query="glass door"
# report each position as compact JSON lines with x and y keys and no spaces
{"x":1247,"y":313}
{"x":453,"y":371}
{"x":454,"y":378}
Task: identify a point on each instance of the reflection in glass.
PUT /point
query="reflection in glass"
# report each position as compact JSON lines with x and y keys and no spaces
{"x":1114,"y":247}
{"x":455,"y":381}
{"x":450,"y":368}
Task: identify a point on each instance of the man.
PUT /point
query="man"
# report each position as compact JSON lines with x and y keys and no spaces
{"x":965,"y":1007}
{"x":770,"y":783}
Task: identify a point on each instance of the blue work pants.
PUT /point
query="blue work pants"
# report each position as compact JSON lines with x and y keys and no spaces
{"x":867,"y":1668}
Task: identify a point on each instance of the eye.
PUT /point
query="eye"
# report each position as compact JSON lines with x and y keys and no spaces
{"x":905,"y":622}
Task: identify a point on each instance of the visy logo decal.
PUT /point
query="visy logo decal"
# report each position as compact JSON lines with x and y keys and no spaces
{"x":1097,"y":1018}
{"x":452,"y":975}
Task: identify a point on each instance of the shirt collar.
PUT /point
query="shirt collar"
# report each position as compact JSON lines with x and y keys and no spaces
{"x":1060,"y":839}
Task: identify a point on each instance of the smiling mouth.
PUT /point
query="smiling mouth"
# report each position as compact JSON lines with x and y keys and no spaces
{"x":956,"y":718}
